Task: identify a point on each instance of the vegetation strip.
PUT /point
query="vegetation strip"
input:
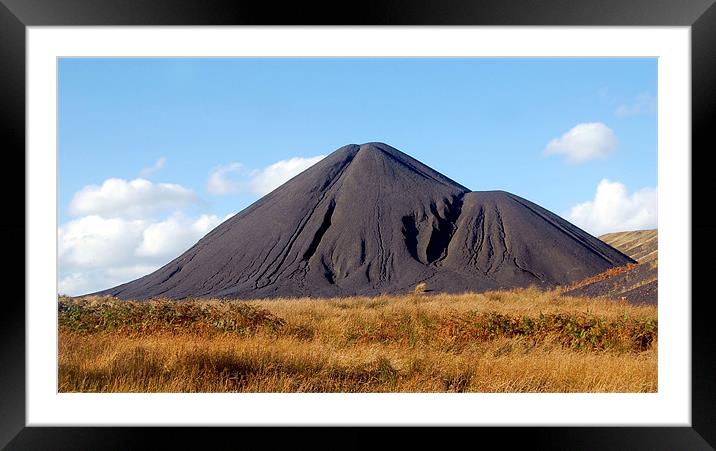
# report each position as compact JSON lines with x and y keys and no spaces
{"x":522,"y":340}
{"x":578,"y":330}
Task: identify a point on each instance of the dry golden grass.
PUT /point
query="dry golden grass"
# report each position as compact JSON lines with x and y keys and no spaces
{"x":510,"y":341}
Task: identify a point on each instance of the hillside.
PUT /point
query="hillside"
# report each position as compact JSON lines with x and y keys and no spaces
{"x":633,"y":283}
{"x":641,"y":245}
{"x":369,"y":220}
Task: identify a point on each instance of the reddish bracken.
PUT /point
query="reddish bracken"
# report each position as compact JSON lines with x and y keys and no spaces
{"x":611,"y":272}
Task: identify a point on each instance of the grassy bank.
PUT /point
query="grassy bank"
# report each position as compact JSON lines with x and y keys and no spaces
{"x":513,"y":341}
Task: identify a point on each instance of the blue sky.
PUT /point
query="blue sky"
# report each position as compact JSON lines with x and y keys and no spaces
{"x":486,"y":123}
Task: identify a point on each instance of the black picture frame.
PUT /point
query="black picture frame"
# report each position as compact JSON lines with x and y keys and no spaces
{"x":16,"y":15}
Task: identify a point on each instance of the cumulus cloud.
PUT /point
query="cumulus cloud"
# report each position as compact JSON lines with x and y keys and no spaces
{"x":97,"y":253}
{"x":167,"y":239}
{"x":125,"y":229}
{"x":236,"y":178}
{"x":584,"y":142}
{"x":147,"y":172}
{"x":77,"y":283}
{"x":274,"y":175}
{"x":91,"y":280}
{"x":644,"y":103}
{"x":93,"y":241}
{"x":219,"y":182}
{"x":613,"y":209}
{"x":124,"y":198}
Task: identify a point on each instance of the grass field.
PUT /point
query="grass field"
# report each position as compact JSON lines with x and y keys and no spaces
{"x":510,"y":341}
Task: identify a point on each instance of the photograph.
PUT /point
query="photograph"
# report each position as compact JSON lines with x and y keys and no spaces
{"x":357,"y":225}
{"x":485,"y":217}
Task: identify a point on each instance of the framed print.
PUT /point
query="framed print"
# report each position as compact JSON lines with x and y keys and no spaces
{"x":237,"y":221}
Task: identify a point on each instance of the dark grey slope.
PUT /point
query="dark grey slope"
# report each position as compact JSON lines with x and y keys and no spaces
{"x":370,"y":219}
{"x":511,"y":241}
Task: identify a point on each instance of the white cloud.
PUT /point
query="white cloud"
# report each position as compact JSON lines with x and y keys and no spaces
{"x":218,"y":182}
{"x":256,"y":181}
{"x":93,"y":241}
{"x":167,"y":239}
{"x":147,"y":172}
{"x":119,"y":234}
{"x":74,"y":283}
{"x":97,"y":253}
{"x":584,"y":142}
{"x":613,"y":209}
{"x":645,"y":103}
{"x":136,"y":198}
{"x":91,"y":280}
{"x":273,"y":176}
